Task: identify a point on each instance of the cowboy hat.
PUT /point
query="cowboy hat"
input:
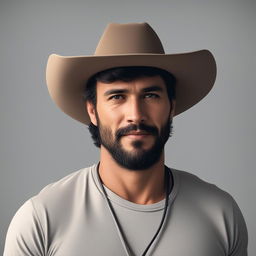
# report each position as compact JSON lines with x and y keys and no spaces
{"x":132,"y":44}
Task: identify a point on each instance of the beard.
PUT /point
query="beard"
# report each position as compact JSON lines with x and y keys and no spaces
{"x":138,"y":158}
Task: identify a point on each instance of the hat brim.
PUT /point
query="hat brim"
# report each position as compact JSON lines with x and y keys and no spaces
{"x":66,"y":77}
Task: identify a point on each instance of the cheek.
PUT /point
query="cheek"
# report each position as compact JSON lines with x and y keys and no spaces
{"x":108,"y":121}
{"x":162,"y":113}
{"x":109,"y":116}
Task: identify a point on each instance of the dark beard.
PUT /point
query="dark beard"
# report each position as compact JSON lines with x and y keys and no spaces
{"x":142,"y":159}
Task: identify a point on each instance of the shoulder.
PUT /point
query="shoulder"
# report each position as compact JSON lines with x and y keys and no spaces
{"x":64,"y":188}
{"x":53,"y":202}
{"x":35,"y":222}
{"x":217,"y":206}
{"x":207,"y":199}
{"x":195,"y":188}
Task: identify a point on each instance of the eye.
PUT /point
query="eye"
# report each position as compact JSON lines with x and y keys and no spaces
{"x":151,"y":95}
{"x":116,"y":97}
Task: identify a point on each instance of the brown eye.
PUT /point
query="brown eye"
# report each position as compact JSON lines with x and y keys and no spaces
{"x":151,"y":95}
{"x":116,"y":97}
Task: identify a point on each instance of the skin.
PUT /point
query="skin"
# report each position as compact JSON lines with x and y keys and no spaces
{"x":132,"y":105}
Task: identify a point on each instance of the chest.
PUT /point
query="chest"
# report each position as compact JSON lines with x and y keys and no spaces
{"x":93,"y":232}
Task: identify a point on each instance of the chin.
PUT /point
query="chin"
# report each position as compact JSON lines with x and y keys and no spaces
{"x":138,"y":150}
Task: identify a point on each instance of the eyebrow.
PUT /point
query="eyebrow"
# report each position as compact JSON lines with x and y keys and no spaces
{"x":115,"y":91}
{"x":153,"y":88}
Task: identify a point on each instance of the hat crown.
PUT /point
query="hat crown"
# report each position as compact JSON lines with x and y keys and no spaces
{"x":131,"y":38}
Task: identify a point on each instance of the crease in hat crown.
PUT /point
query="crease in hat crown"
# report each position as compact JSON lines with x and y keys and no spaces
{"x":126,"y":39}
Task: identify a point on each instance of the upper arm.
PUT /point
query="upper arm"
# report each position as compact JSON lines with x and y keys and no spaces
{"x":25,"y":235}
{"x":240,"y":235}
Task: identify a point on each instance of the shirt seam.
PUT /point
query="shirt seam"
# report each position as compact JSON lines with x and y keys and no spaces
{"x":39,"y":223}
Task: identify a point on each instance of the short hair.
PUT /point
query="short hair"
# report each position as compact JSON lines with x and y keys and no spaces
{"x":125,"y":74}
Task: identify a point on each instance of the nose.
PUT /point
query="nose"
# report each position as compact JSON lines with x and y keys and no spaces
{"x":136,"y":111}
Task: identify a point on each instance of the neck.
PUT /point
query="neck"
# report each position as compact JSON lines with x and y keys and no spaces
{"x":137,"y":186}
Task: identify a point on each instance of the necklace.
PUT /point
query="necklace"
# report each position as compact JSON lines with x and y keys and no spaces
{"x":168,"y":174}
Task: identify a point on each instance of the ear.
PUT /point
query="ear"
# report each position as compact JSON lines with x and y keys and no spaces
{"x":91,"y":112}
{"x":172,"y":112}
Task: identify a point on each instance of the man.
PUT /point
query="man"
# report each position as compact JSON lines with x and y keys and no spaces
{"x":129,"y":203}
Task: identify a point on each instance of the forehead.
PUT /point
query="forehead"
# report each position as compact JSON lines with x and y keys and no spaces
{"x":137,"y":84}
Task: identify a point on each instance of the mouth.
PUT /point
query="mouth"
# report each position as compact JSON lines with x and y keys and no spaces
{"x":137,"y":134}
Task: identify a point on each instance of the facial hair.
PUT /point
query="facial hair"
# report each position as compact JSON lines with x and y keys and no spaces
{"x":139,"y":158}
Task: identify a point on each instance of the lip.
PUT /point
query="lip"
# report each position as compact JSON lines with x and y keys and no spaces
{"x":137,"y":135}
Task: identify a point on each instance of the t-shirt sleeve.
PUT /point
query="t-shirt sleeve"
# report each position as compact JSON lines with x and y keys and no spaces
{"x":240,"y":235}
{"x":25,"y":234}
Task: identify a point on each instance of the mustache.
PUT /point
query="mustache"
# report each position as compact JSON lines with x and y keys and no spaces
{"x":134,"y":127}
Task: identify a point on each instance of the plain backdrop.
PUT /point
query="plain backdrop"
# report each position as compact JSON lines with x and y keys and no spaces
{"x":215,"y":139}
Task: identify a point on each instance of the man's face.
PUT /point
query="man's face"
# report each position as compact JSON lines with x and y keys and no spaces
{"x":133,"y":120}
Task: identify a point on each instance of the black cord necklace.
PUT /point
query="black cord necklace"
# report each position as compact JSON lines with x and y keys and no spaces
{"x":168,"y":186}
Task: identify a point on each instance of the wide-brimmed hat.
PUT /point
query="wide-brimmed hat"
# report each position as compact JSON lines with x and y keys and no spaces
{"x":122,"y":45}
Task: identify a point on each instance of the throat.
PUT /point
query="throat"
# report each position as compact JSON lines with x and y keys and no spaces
{"x":139,"y":187}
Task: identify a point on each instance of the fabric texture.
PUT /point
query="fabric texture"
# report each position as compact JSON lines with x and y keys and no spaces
{"x":71,"y":217}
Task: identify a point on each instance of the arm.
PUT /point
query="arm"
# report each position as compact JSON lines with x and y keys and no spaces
{"x":240,"y":235}
{"x":25,"y":235}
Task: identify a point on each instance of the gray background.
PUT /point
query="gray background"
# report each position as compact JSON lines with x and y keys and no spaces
{"x":214,"y":140}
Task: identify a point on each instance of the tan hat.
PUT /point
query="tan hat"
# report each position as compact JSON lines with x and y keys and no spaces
{"x":133,"y":44}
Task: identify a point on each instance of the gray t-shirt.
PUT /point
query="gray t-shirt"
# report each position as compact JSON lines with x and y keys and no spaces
{"x":71,"y":218}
